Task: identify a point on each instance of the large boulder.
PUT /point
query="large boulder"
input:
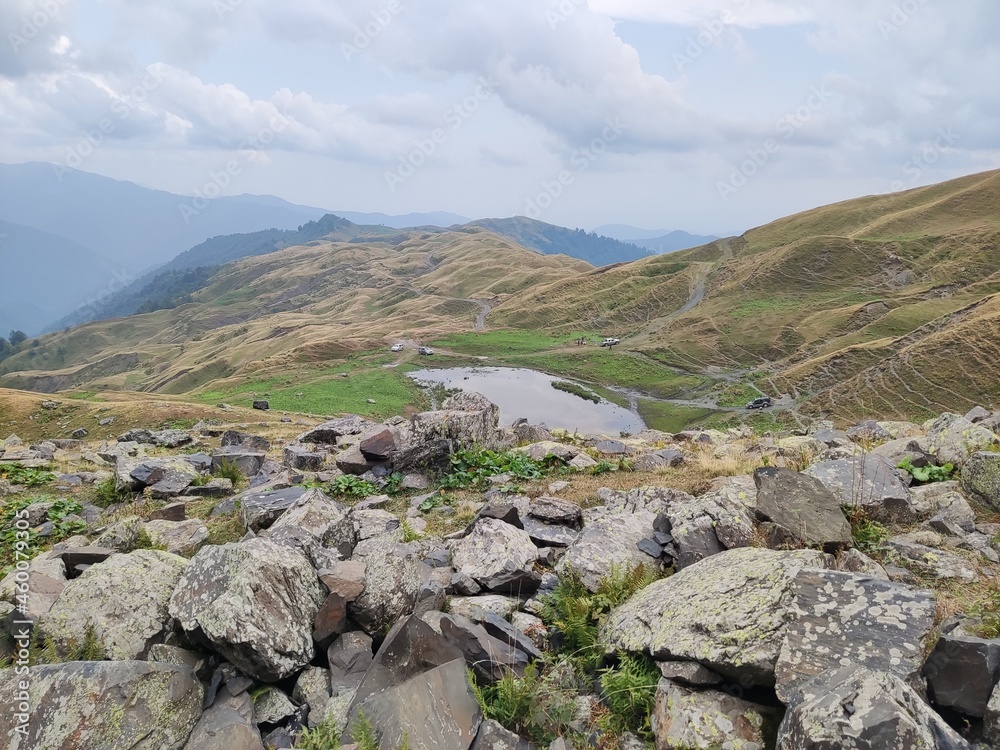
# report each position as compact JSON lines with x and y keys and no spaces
{"x":126,"y":705}
{"x":914,"y":551}
{"x":255,"y":602}
{"x":314,"y":511}
{"x":393,"y":575}
{"x":853,"y":707}
{"x":684,"y":719}
{"x":962,"y":673}
{"x":704,"y":526}
{"x":498,"y":556}
{"x":991,"y":721}
{"x":953,"y":439}
{"x":981,"y":477}
{"x":802,"y":506}
{"x":868,"y":482}
{"x":728,"y":612}
{"x":165,"y":476}
{"x":329,"y":432}
{"x":179,"y":537}
{"x":121,"y":603}
{"x":607,"y":541}
{"x":840,"y":618}
{"x":259,"y":509}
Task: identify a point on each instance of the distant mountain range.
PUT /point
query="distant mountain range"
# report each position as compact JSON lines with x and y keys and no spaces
{"x":70,"y":238}
{"x":657,"y":240}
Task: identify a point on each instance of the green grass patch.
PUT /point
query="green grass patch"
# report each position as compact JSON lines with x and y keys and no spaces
{"x":660,"y":415}
{"x":604,"y":367}
{"x":737,"y":394}
{"x":500,"y":343}
{"x":82,"y":395}
{"x":391,"y":390}
{"x":765,"y":305}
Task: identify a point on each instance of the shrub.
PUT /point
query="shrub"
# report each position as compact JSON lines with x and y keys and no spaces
{"x":925,"y":474}
{"x":351,"y":486}
{"x":473,"y":467}
{"x":229,"y":470}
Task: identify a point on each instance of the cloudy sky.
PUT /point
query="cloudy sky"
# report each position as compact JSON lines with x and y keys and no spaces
{"x":703,"y":115}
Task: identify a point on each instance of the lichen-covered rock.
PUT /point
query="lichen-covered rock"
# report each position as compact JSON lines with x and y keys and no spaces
{"x":393,"y":574}
{"x":839,"y":618}
{"x":609,"y":540}
{"x":728,"y":612}
{"x":944,"y":500}
{"x":953,"y":439}
{"x":255,"y":601}
{"x":122,"y":536}
{"x":126,"y":705}
{"x":857,"y":709}
{"x":801,"y":505}
{"x":853,"y":561}
{"x":981,"y":477}
{"x":498,"y":556}
{"x":179,"y":537}
{"x":704,"y":526}
{"x":913,"y":551}
{"x":228,"y":724}
{"x":328,"y":432}
{"x":868,"y":482}
{"x":684,"y":719}
{"x":991,"y":721}
{"x":651,"y":499}
{"x":259,"y":509}
{"x":313,"y":511}
{"x":122,"y":602}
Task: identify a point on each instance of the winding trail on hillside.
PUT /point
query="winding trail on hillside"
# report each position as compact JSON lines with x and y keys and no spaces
{"x":484,"y":309}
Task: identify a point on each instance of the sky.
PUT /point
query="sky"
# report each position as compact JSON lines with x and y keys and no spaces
{"x":711,"y":116}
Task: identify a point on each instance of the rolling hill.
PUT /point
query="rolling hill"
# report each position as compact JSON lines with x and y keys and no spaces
{"x":887,"y":304}
{"x":552,"y":240}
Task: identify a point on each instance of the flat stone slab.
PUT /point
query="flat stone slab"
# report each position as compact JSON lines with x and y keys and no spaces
{"x":843,"y":618}
{"x":802,"y":505}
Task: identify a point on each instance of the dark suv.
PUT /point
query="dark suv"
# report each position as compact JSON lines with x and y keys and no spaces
{"x":762,"y":402}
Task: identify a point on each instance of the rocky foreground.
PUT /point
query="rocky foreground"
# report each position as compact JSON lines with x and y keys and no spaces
{"x":828,"y":599}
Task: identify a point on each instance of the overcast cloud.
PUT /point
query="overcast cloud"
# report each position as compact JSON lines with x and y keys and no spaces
{"x":707,"y":115}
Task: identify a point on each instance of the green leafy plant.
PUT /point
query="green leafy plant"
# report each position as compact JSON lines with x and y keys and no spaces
{"x":106,"y":493}
{"x":409,"y":533}
{"x":430,"y":503}
{"x":925,"y":474}
{"x":629,"y":691}
{"x":473,"y":467}
{"x":393,"y":484}
{"x":539,"y":705}
{"x":867,"y":533}
{"x":62,"y":528}
{"x":24,"y":476}
{"x":351,"y":486}
{"x":603,"y":467}
{"x":321,"y":737}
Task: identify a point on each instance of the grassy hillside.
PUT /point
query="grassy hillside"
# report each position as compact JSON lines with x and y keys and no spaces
{"x":887,"y":304}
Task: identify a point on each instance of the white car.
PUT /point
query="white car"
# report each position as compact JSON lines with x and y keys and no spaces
{"x":396,"y":348}
{"x":610,"y":342}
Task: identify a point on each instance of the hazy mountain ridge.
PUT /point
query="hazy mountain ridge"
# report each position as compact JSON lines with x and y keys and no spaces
{"x":658,"y":240}
{"x":554,"y":240}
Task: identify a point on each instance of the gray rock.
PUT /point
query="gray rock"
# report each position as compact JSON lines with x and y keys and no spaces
{"x":126,"y":705}
{"x":661,"y":459}
{"x":255,"y":602}
{"x":981,"y":477}
{"x":328,"y":432}
{"x":164,"y":654}
{"x":434,"y":710}
{"x":353,"y":461}
{"x":548,"y":534}
{"x":492,"y":736}
{"x":609,"y":541}
{"x":228,"y":724}
{"x":962,"y":673}
{"x":248,"y":462}
{"x":299,"y":457}
{"x":853,"y":561}
{"x":801,"y":505}
{"x":122,"y":602}
{"x":258,"y":509}
{"x":122,"y":536}
{"x":652,"y":499}
{"x":910,"y":551}
{"x":728,"y":612}
{"x":255,"y":443}
{"x":688,"y":673}
{"x":502,"y":606}
{"x":179,"y":537}
{"x":171,"y":438}
{"x":393,"y":574}
{"x":869,"y":482}
{"x":853,"y":707}
{"x":312,"y":688}
{"x":498,"y":556}
{"x":954,"y":439}
{"x":897,"y":451}
{"x":488,"y":656}
{"x":272,"y":706}
{"x":840,"y":618}
{"x":554,"y":510}
{"x":684,"y":718}
{"x":991,"y":721}
{"x":313,"y":511}
{"x":349,"y":657}
{"x":705,"y":526}
{"x":944,"y":500}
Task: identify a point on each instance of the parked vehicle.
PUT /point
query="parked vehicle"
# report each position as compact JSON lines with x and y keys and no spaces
{"x":761,"y":402}
{"x":396,"y":348}
{"x":610,"y":342}
{"x":425,"y":350}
